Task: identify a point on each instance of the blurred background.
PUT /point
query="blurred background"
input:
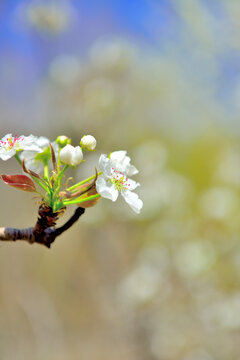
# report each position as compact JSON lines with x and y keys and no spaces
{"x":160,"y":79}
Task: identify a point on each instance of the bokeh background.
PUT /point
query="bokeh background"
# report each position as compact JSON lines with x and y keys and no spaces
{"x":161,"y":79}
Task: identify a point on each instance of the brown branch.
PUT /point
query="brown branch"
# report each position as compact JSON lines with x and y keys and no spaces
{"x":44,"y":232}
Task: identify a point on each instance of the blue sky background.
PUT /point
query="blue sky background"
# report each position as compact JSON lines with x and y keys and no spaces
{"x":25,"y":52}
{"x":152,"y":25}
{"x":104,"y":14}
{"x":136,"y":18}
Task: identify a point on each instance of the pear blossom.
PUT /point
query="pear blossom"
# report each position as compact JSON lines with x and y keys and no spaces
{"x":113,"y":179}
{"x":32,"y":159}
{"x":10,"y":145}
{"x":88,"y":142}
{"x":71,"y":155}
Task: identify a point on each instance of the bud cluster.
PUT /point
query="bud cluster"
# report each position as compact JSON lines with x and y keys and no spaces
{"x":45,"y":163}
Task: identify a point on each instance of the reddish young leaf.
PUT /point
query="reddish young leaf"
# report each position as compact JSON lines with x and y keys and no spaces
{"x":21,"y":182}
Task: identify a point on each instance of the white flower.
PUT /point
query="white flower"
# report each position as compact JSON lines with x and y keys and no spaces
{"x":88,"y":142}
{"x":113,"y":181}
{"x":71,"y":155}
{"x":9,"y":145}
{"x":35,"y":162}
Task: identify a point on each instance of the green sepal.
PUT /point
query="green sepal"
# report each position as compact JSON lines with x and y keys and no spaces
{"x":80,"y":200}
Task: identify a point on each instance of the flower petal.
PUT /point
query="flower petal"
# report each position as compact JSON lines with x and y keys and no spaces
{"x":43,"y":142}
{"x":106,"y":189}
{"x":121,"y":162}
{"x":118,"y":155}
{"x":132,"y":200}
{"x":8,"y":136}
{"x":28,"y":143}
{"x":105,"y":165}
{"x":5,"y":155}
{"x":131,"y":170}
{"x":132,"y":184}
{"x":31,"y":147}
{"x":66,"y":154}
{"x":77,"y":156}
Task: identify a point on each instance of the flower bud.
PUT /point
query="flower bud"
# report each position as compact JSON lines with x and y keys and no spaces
{"x":71,"y":155}
{"x":88,"y":142}
{"x":62,"y":141}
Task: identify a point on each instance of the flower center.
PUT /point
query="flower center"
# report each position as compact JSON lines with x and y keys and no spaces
{"x":11,"y":142}
{"x":119,"y":180}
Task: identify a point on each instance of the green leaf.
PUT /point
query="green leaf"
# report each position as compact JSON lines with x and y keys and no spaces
{"x":21,"y":182}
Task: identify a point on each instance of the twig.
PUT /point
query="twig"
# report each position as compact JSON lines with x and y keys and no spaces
{"x":41,"y":233}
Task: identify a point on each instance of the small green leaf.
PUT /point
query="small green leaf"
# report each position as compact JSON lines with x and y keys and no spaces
{"x":21,"y":182}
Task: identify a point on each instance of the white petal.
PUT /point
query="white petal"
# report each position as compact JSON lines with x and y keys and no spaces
{"x":106,"y":189}
{"x":6,"y":137}
{"x":28,"y":157}
{"x":121,"y":163}
{"x":118,"y":155}
{"x":7,"y":154}
{"x":105,"y":165}
{"x":132,"y":170}
{"x":27,"y":143}
{"x":43,"y":142}
{"x":132,"y":200}
{"x":132,"y":184}
{"x":32,"y":164}
{"x":36,"y":166}
{"x":129,"y":169}
{"x":77,"y":156}
{"x":126,"y":161}
{"x":30,"y":147}
{"x":66,"y":154}
{"x":27,"y":140}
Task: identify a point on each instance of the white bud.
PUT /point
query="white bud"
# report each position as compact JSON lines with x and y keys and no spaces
{"x":88,"y":142}
{"x":77,"y":156}
{"x":71,"y":155}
